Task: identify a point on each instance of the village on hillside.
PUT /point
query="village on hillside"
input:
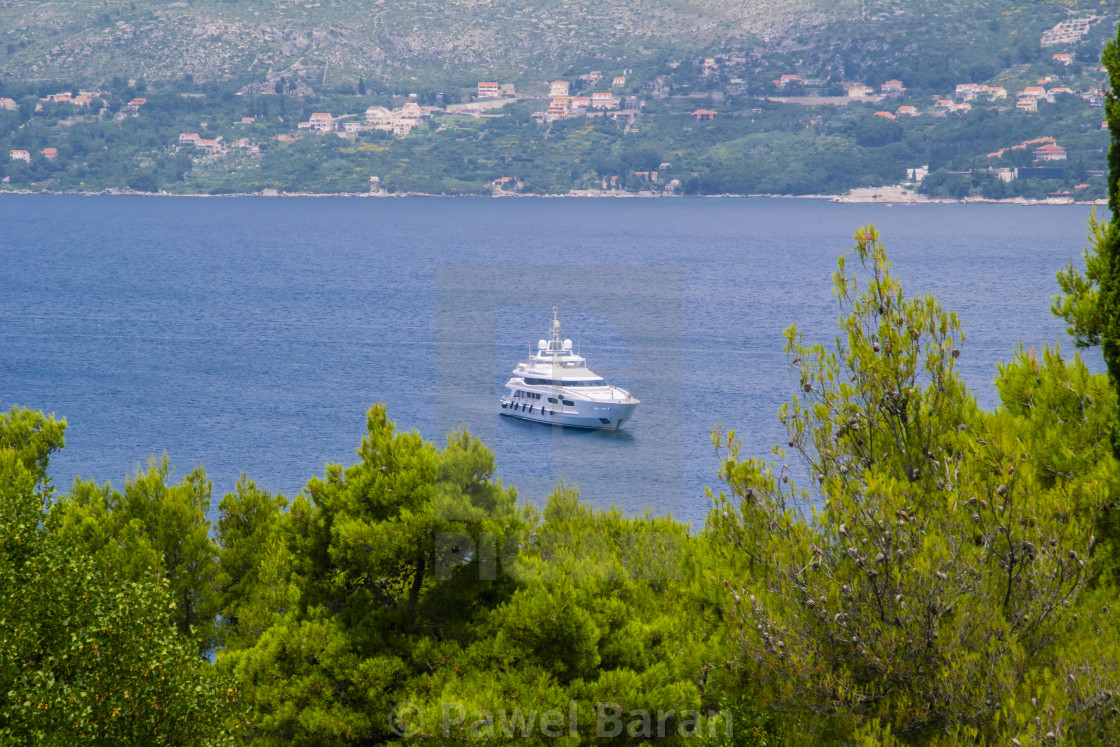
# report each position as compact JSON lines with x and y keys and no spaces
{"x":704,"y":93}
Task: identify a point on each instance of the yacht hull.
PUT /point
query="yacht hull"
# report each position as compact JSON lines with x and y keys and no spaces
{"x":585,"y":415}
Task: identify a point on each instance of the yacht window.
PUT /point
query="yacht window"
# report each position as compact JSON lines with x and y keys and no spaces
{"x":569,"y":403}
{"x":553,"y":400}
{"x":562,"y":382}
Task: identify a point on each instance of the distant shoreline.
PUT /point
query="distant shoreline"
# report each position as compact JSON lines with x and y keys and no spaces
{"x":849,"y":199}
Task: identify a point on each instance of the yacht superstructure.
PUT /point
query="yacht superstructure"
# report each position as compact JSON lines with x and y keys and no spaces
{"x":555,"y":386}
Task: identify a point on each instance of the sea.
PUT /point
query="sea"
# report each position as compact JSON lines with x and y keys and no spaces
{"x":251,"y":335}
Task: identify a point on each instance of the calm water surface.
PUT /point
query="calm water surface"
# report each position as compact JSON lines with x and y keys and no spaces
{"x":251,"y":335}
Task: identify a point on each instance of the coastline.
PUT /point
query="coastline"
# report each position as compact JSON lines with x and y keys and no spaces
{"x":889,"y":196}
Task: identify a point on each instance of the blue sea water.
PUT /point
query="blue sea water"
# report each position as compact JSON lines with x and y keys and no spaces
{"x":251,"y":334}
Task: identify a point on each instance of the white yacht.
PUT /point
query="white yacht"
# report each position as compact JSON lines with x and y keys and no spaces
{"x":555,"y":386}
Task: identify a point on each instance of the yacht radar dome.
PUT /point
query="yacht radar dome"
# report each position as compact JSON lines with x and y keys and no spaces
{"x":542,"y":344}
{"x":567,"y":344}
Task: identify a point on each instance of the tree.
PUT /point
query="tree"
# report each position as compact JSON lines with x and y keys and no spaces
{"x":252,"y":579}
{"x":390,"y":559}
{"x":1090,"y":303}
{"x":150,"y":531}
{"x":935,"y":584}
{"x":89,"y":657}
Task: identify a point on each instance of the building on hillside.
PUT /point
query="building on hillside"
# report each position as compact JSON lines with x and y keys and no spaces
{"x":579,"y":102}
{"x":709,"y":67}
{"x":1036,"y":92}
{"x":507,"y":91}
{"x":1063,"y":58}
{"x":558,"y":88}
{"x":704,"y":115}
{"x":892,"y":86}
{"x":19,"y":155}
{"x":489,"y":90}
{"x":50,"y":153}
{"x":134,"y":105}
{"x":619,"y":81}
{"x":884,"y":115}
{"x":188,"y":138}
{"x":974,"y":91}
{"x":321,"y":122}
{"x":558,"y":108}
{"x":907,"y":111}
{"x":1027,"y":104}
{"x":9,"y":105}
{"x":859,"y":92}
{"x":917,"y":174}
{"x":970,"y":91}
{"x":248,"y":120}
{"x":788,"y":80}
{"x":376,"y":115}
{"x":1049,"y":152}
{"x":603,"y":101}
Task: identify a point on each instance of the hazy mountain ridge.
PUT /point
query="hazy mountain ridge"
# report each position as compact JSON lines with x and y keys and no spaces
{"x":334,"y":42}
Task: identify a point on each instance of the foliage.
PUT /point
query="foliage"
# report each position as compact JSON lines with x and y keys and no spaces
{"x":415,"y":579}
{"x":150,"y":531}
{"x":252,"y":579}
{"x":372,"y":592}
{"x":89,"y":657}
{"x":936,"y":593}
{"x":1080,"y":301}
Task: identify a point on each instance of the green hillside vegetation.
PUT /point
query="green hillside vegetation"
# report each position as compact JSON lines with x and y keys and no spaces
{"x":752,"y":147}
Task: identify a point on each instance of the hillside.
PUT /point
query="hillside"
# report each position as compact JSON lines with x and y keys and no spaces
{"x":441,"y":44}
{"x":332,"y":43}
{"x":667,"y":96}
